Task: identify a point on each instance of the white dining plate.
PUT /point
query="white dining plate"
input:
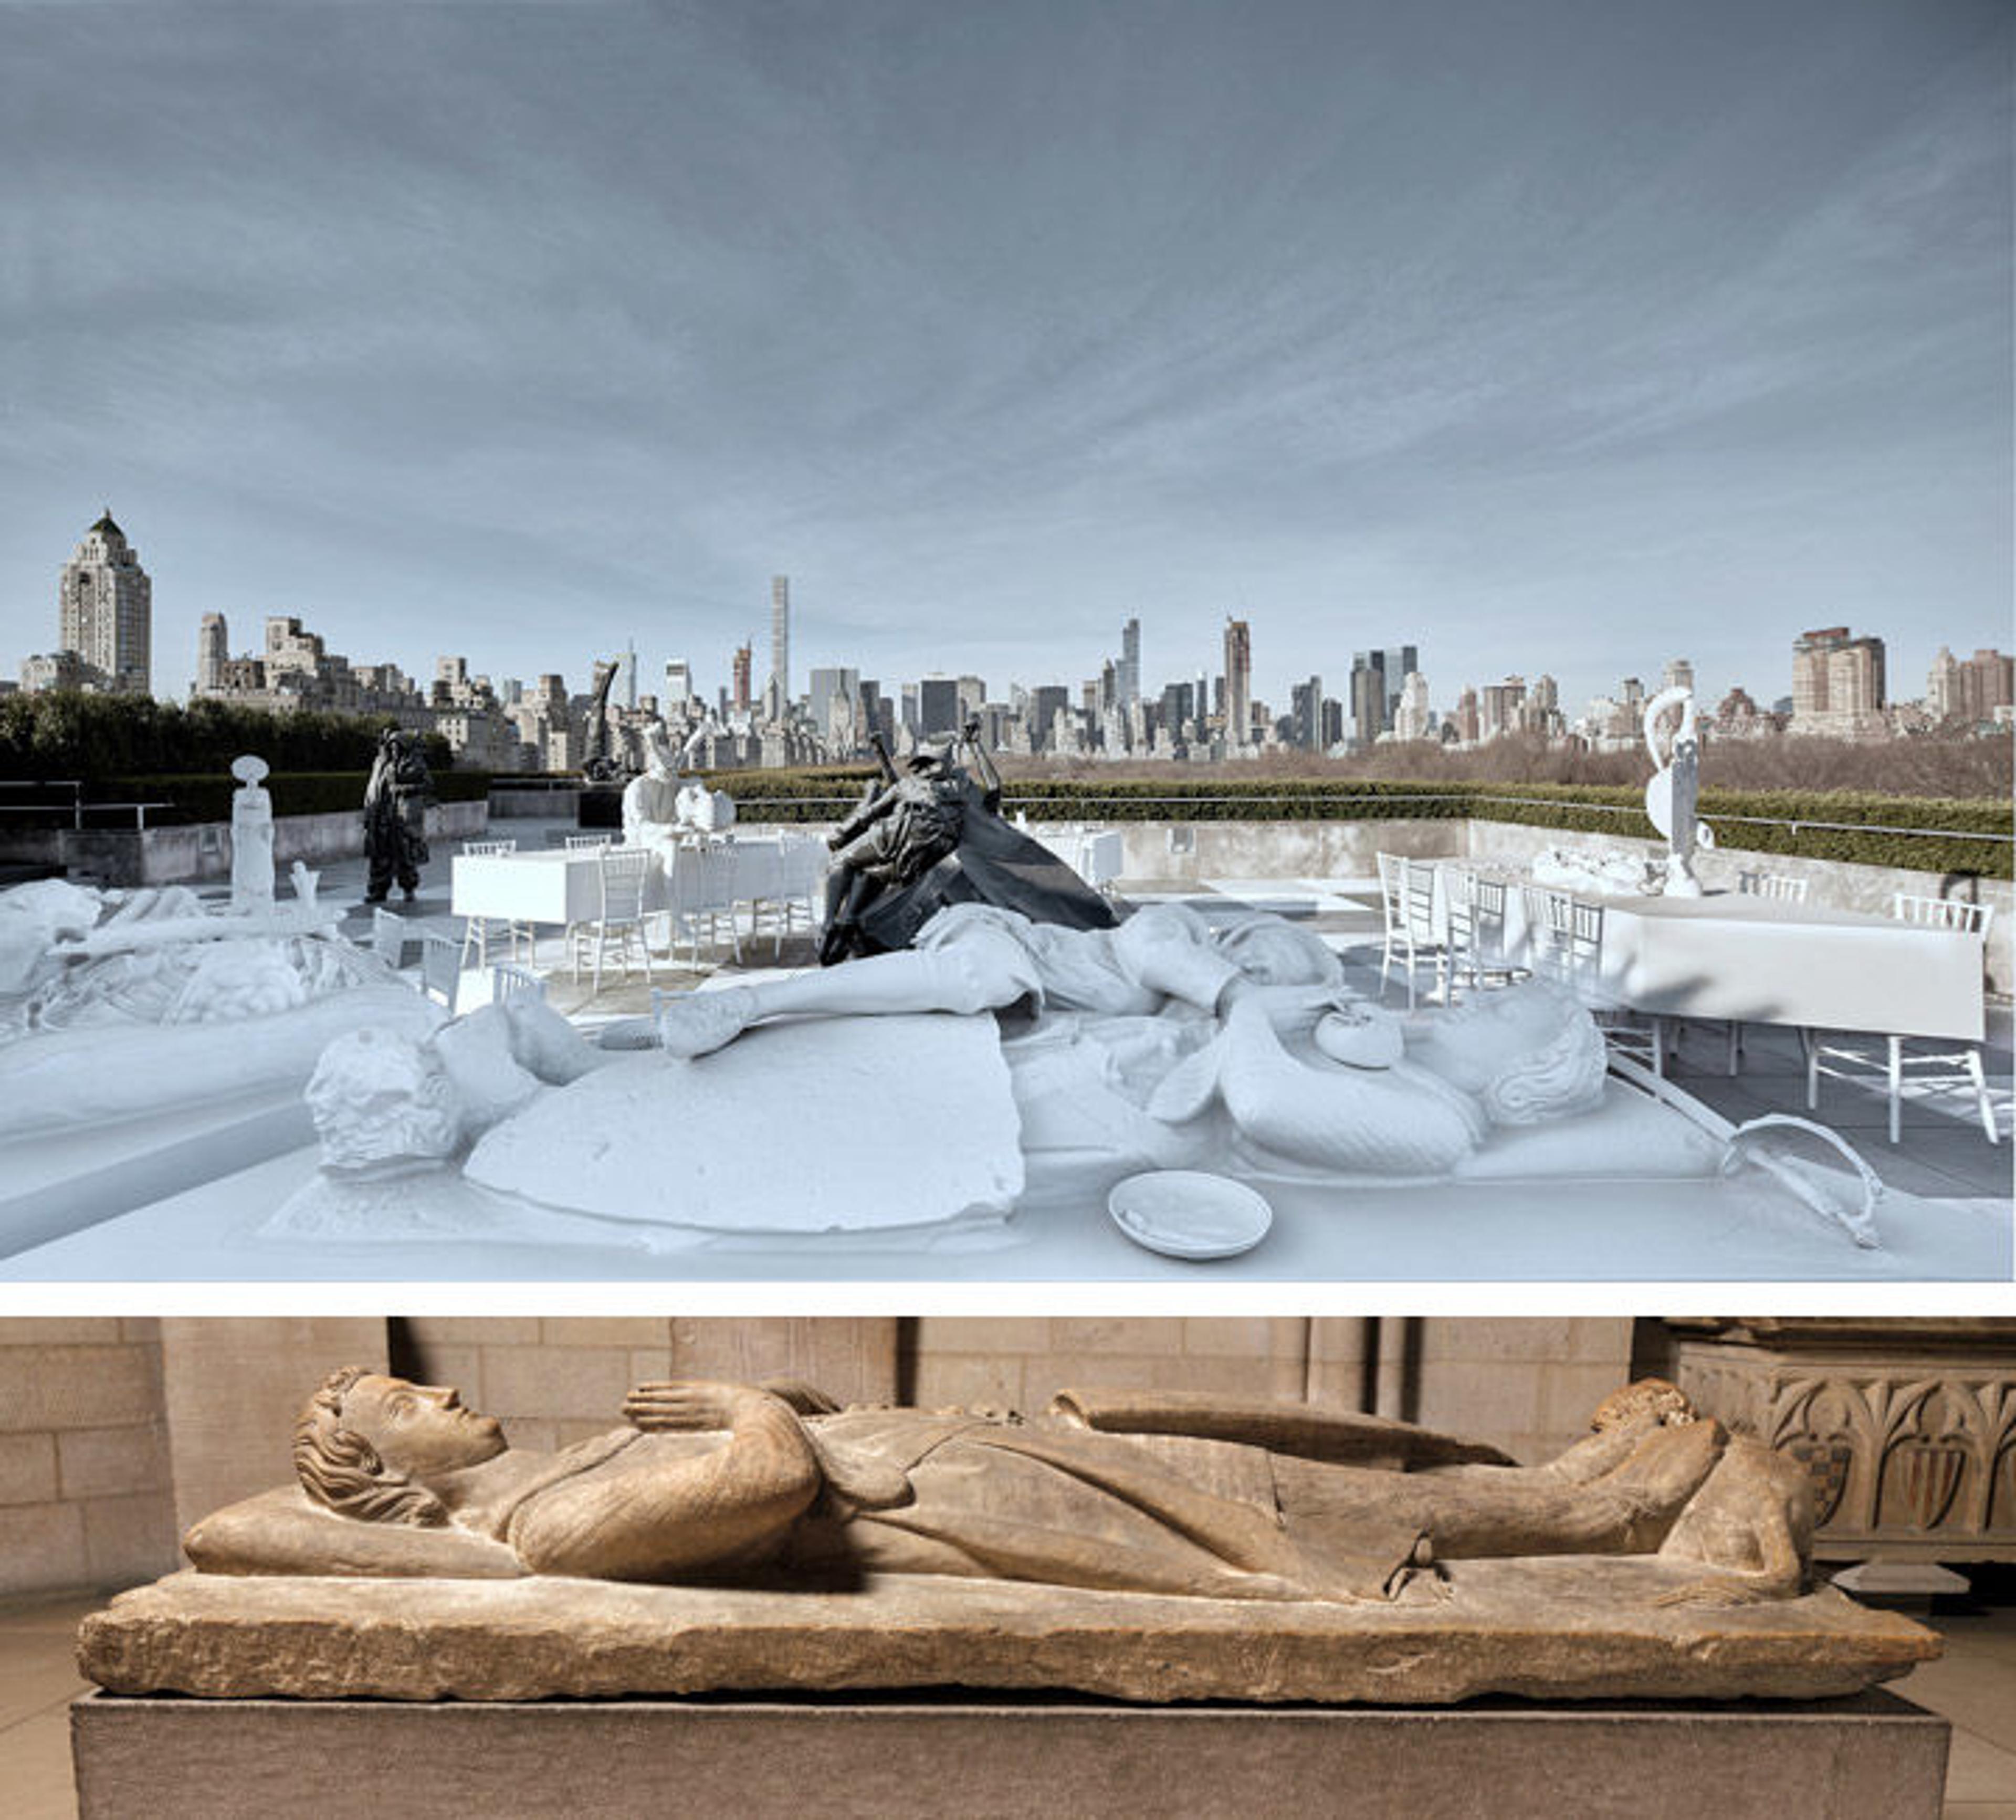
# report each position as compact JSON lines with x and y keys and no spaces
{"x":1184,"y":1213}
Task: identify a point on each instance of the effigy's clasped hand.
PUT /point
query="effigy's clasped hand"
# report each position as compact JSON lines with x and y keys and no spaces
{"x":685,"y":1406}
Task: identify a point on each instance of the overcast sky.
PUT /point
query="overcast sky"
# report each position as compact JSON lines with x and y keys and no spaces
{"x":1566,"y":335}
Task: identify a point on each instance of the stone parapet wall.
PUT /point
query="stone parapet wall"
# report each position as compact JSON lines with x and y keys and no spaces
{"x":202,"y":850}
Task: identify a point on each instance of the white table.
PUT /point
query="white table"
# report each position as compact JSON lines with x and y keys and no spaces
{"x":1097,"y":855}
{"x":560,"y":886}
{"x":1757,"y":960}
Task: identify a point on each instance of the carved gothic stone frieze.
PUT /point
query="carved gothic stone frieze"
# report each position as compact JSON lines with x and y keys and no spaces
{"x":1906,"y":1430}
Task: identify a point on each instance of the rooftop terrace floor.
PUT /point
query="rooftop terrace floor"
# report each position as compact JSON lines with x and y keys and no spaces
{"x":1950,"y":1220}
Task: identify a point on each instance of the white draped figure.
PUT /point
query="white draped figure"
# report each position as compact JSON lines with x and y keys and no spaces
{"x":661,"y":808}
{"x":1169,"y":1037}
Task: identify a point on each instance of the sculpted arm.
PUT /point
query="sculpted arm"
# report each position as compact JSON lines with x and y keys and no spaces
{"x":661,"y":1517}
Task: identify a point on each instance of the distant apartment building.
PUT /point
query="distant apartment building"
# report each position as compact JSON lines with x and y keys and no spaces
{"x":1306,"y":715}
{"x":1129,"y":679}
{"x":104,"y":615}
{"x":1498,"y":709}
{"x":1469,"y":718}
{"x":1969,"y":690}
{"x":1413,"y":719}
{"x":1376,"y":680}
{"x":294,"y":669}
{"x":1738,"y":717}
{"x":213,"y":652}
{"x":52,"y":670}
{"x":739,"y":698}
{"x":1837,"y":683}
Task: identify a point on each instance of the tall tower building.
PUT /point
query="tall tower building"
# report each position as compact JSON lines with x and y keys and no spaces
{"x":213,"y":652}
{"x":1679,"y":673}
{"x":780,"y":645}
{"x":1129,"y":676}
{"x":105,"y":611}
{"x":1238,"y":683}
{"x":740,"y":668}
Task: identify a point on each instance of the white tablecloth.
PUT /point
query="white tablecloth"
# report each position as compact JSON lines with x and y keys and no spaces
{"x":1760,"y":961}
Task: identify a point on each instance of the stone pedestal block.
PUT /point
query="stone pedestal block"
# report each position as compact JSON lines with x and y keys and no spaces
{"x":1870,"y":1757}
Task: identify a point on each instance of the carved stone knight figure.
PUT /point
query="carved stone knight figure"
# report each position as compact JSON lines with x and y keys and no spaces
{"x":1143,"y":1492}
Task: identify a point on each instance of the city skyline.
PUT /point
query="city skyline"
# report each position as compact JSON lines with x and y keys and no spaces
{"x":218,"y":650}
{"x":569,"y":325}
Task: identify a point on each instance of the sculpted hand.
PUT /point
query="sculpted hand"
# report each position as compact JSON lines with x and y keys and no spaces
{"x":679,"y":1405}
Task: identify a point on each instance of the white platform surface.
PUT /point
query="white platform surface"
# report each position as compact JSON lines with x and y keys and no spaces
{"x":1530,"y":1231}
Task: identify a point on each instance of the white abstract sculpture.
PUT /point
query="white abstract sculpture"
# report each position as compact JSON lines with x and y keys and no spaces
{"x":1671,"y":795}
{"x":661,"y":808}
{"x":251,"y":838}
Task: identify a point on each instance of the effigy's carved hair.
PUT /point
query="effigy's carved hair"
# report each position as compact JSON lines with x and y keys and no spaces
{"x":1646,"y":1397}
{"x":1564,"y":1075}
{"x":341,"y":1471}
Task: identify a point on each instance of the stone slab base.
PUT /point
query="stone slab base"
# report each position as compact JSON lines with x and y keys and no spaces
{"x":1870,"y":1757}
{"x":1575,"y":1627}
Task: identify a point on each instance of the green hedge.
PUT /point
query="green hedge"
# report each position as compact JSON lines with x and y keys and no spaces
{"x":206,"y":797}
{"x":62,"y":735}
{"x":822,"y":794}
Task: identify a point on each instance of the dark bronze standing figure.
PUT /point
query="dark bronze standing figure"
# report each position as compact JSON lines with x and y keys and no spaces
{"x":599,"y":764}
{"x":935,"y":837}
{"x":395,"y":801}
{"x":897,"y":834}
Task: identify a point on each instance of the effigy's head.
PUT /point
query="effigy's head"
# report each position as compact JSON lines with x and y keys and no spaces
{"x":365,"y":1443}
{"x":1274,"y":952}
{"x":378,"y":1099}
{"x":658,"y":760}
{"x":1530,"y":1052}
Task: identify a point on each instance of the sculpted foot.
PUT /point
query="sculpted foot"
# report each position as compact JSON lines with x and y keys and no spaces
{"x":703,"y":1022}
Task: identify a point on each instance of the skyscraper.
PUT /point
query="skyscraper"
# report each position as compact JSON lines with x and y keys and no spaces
{"x":1306,"y":715}
{"x":1368,"y":695}
{"x":1130,"y":678}
{"x":679,"y":685}
{"x":105,"y":611}
{"x":778,"y":691}
{"x":823,"y":687}
{"x":740,"y":666}
{"x":1412,"y":719}
{"x":937,"y":707}
{"x":1238,"y":683}
{"x":213,"y":652}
